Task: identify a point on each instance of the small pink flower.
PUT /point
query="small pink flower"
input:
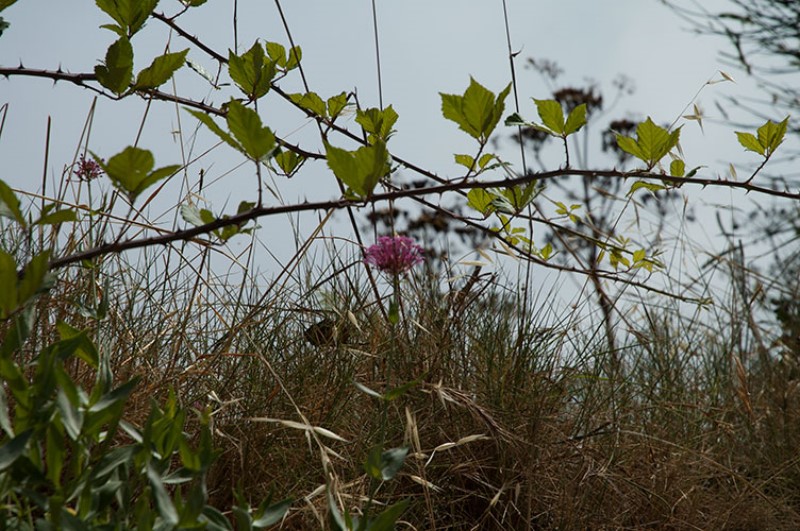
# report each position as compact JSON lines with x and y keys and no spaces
{"x":87,"y":169}
{"x":394,"y":254}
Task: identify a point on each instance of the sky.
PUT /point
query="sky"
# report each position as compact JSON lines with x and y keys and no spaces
{"x":425,"y":48}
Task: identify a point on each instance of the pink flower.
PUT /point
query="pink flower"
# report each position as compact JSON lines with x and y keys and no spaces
{"x":87,"y":169}
{"x":394,"y":254}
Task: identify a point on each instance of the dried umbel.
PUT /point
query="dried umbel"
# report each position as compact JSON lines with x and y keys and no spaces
{"x":394,"y":255}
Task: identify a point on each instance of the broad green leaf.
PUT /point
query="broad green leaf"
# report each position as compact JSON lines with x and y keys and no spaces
{"x":193,"y":3}
{"x":336,"y":104}
{"x":288,"y":161}
{"x":13,"y":449}
{"x":256,"y":140}
{"x":552,"y":115}
{"x":477,"y":111}
{"x":9,"y":204}
{"x":6,"y":3}
{"x":216,"y":129}
{"x":771,"y":134}
{"x":677,"y":168}
{"x":160,"y":70}
{"x":576,"y":119}
{"x":311,"y":102}
{"x":276,"y":53}
{"x":295,"y":56}
{"x":467,"y":161}
{"x":485,"y":159}
{"x":377,"y":123}
{"x":750,"y":142}
{"x":252,"y":71}
{"x":652,"y":142}
{"x":129,"y":14}
{"x":57,"y":216}
{"x":117,"y":71}
{"x":360,"y":170}
{"x":480,"y":200}
{"x":272,"y":514}
{"x":130,"y":170}
{"x":387,"y":519}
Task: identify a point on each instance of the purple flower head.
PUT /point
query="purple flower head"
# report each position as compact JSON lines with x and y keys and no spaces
{"x":87,"y":169}
{"x":394,"y":254}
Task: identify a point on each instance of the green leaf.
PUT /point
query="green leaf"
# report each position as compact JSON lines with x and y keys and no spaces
{"x":377,"y":123}
{"x":514,"y":119}
{"x":160,"y":70}
{"x":57,"y":216}
{"x":252,"y":71}
{"x":552,"y":115}
{"x":9,"y":298}
{"x":646,"y":185}
{"x":575,"y":120}
{"x":6,"y":3}
{"x":477,"y":111}
{"x":467,"y":161}
{"x":130,"y":170}
{"x":485,"y":159}
{"x":771,"y":135}
{"x":164,"y":503}
{"x":272,"y":514}
{"x":117,"y":71}
{"x":256,"y":140}
{"x":750,"y":142}
{"x":677,"y":168}
{"x":129,"y":14}
{"x":288,"y":161}
{"x":311,"y":102}
{"x":387,"y":519}
{"x":360,"y":170}
{"x":480,"y":200}
{"x":652,"y":142}
{"x":276,"y":53}
{"x":3,"y":25}
{"x":33,"y":277}
{"x":295,"y":56}
{"x":391,"y":462}
{"x":13,"y":449}
{"x":216,"y":129}
{"x":9,"y":204}
{"x":336,"y":104}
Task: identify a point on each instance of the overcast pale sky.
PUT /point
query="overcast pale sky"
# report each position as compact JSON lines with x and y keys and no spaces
{"x":426,"y":47}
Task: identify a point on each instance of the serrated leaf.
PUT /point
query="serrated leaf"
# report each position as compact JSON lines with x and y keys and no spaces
{"x":360,"y":170}
{"x":480,"y":200}
{"x":252,"y":71}
{"x":160,"y":70}
{"x":485,"y":159}
{"x":287,"y":161}
{"x":750,"y":142}
{"x":256,"y":140}
{"x":129,"y":14}
{"x":277,"y":53}
{"x":575,"y":120}
{"x":771,"y":135}
{"x":336,"y":104}
{"x":476,"y":112}
{"x":130,"y":172}
{"x":629,"y":145}
{"x":9,"y":204}
{"x":311,"y":102}
{"x":294,"y":58}
{"x":377,"y":123}
{"x":467,"y":161}
{"x":677,"y":168}
{"x":552,"y":115}
{"x":655,"y":141}
{"x":117,"y":71}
